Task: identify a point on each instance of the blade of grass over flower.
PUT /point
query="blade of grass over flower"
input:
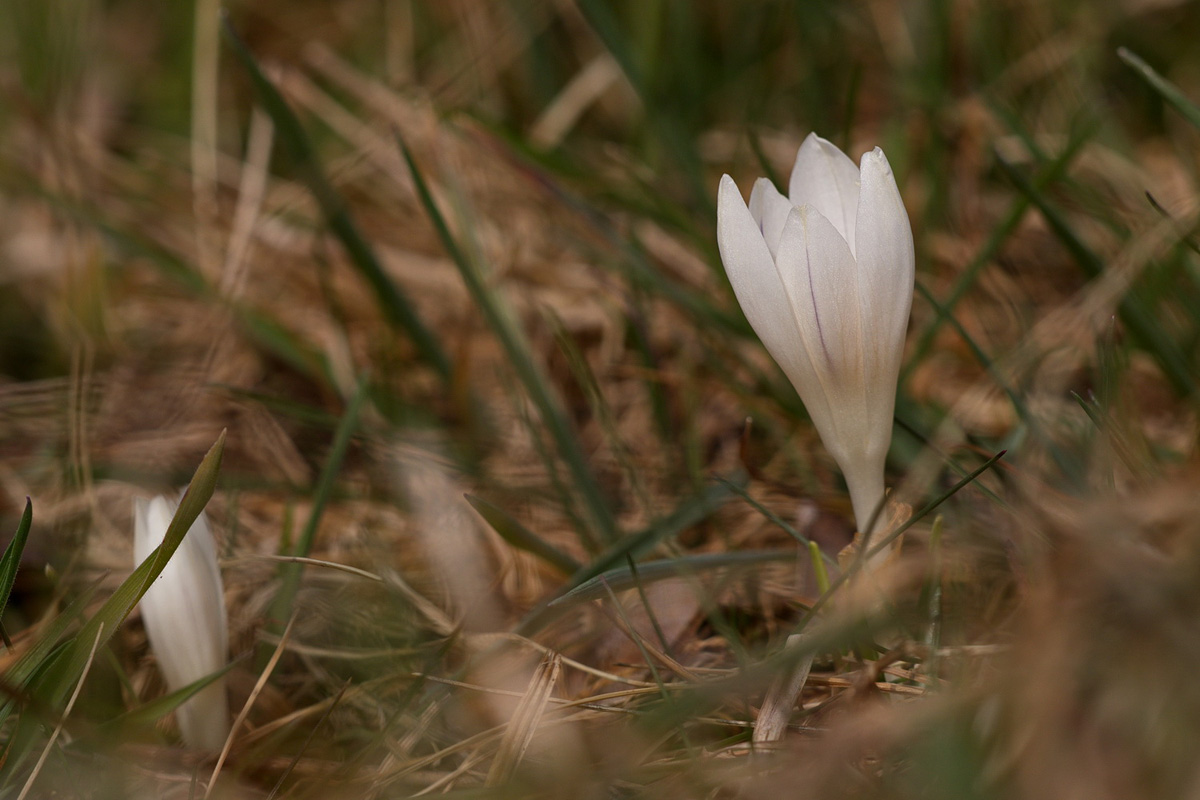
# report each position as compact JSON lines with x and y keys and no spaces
{"x":147,"y":714}
{"x":396,"y":307}
{"x":290,"y":573}
{"x":56,"y":682}
{"x":127,"y":595}
{"x":10,"y":562}
{"x":991,"y":247}
{"x":519,"y":536}
{"x":530,"y":374}
{"x":1163,"y":87}
{"x":1134,"y":313}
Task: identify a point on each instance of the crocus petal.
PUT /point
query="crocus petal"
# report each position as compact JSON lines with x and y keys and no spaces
{"x":886,"y":263}
{"x":184,"y":614}
{"x":885,"y":255}
{"x":825,"y":178}
{"x":770,"y":210}
{"x":820,"y":277}
{"x":751,"y":271}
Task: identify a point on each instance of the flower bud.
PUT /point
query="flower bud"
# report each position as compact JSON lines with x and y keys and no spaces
{"x":825,"y":277}
{"x":184,"y":614}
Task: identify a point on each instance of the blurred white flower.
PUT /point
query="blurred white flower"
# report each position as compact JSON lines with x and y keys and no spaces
{"x":825,"y":277}
{"x":184,"y":613}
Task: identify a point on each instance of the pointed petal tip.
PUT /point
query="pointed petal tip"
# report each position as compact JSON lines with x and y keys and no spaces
{"x":877,"y":158}
{"x":727,"y":190}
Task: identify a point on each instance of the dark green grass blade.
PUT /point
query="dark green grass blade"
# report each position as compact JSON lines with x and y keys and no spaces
{"x":531,"y":376}
{"x":396,"y":307}
{"x":776,"y":520}
{"x":1134,"y":312}
{"x":10,"y":562}
{"x":521,"y":537}
{"x":1163,"y":87}
{"x":689,"y":513}
{"x":20,"y":673}
{"x":648,"y":572}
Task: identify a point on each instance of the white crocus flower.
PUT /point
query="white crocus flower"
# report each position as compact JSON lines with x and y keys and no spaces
{"x":184,"y":613}
{"x":825,"y":277}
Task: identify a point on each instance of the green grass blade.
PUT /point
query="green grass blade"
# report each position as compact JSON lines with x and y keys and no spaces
{"x":522,"y":538}
{"x":1163,"y":87}
{"x":10,"y":562}
{"x":647,"y":572}
{"x":397,"y":308}
{"x":689,"y":513}
{"x":527,"y":370}
{"x":149,"y":713}
{"x":775,"y":519}
{"x":20,"y":673}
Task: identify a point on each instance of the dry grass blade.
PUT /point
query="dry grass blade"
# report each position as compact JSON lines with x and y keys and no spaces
{"x":525,"y":721}
{"x":245,"y":712}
